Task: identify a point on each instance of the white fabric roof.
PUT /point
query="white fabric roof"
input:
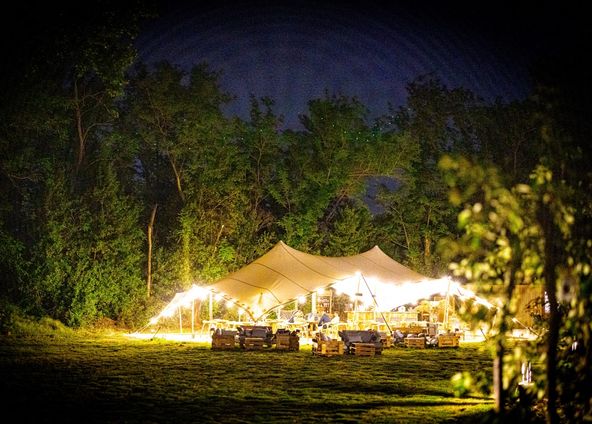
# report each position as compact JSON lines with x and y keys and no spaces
{"x":284,"y":274}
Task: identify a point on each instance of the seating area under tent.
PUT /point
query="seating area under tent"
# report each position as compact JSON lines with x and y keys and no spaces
{"x":317,"y":298}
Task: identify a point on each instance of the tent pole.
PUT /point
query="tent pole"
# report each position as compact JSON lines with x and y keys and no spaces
{"x":193,"y":318}
{"x":313,"y":302}
{"x":374,"y":297}
{"x":376,"y":304}
{"x":446,"y":326}
{"x":357,"y":301}
{"x":157,"y":330}
{"x":180,"y":321}
{"x":211,"y":311}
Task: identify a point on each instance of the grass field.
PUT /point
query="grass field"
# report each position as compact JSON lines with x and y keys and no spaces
{"x":115,"y":379}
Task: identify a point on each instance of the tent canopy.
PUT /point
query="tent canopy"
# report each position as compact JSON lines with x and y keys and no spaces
{"x":285,"y":274}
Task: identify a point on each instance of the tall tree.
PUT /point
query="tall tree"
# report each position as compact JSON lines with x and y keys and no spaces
{"x":59,"y":104}
{"x":326,"y":166}
{"x":189,"y":164}
{"x":434,"y":121}
{"x":260,"y":143}
{"x":555,"y":206}
{"x":498,"y":250}
{"x":562,"y":97}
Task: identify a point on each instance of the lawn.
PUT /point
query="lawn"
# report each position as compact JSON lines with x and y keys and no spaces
{"x":115,"y":379}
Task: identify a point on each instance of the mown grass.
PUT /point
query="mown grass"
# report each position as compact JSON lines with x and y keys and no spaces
{"x":103,"y":378}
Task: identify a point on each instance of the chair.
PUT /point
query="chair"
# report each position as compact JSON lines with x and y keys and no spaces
{"x":224,"y":339}
{"x":287,"y":340}
{"x":323,"y":345}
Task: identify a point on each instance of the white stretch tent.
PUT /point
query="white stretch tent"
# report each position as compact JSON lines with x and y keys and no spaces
{"x":284,"y":274}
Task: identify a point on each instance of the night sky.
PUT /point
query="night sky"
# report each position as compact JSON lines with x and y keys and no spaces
{"x":292,"y":51}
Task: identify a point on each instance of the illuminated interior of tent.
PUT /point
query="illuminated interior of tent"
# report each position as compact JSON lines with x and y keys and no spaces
{"x":289,"y":289}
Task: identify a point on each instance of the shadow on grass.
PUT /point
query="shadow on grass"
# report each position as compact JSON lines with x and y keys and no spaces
{"x":94,"y":381}
{"x":144,"y":408}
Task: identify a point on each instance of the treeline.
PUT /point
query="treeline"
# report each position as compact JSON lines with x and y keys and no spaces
{"x":123,"y":183}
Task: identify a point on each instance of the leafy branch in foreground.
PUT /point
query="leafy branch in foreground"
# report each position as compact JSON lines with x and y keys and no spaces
{"x":524,"y":235}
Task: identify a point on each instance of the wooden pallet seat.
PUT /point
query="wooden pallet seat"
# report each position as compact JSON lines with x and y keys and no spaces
{"x":351,"y":337}
{"x":224,"y":339}
{"x":323,"y":345}
{"x":287,"y":340}
{"x":255,"y":337}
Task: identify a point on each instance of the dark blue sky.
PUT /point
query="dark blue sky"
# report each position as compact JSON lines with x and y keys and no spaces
{"x":292,"y":51}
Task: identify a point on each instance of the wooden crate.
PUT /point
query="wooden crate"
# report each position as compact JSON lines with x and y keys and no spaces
{"x":386,"y":340}
{"x":448,"y":340}
{"x":416,"y":329}
{"x":282,"y":341}
{"x":410,"y":329}
{"x":253,"y":343}
{"x":223,"y":342}
{"x":416,"y":342}
{"x":287,"y":342}
{"x":329,"y":348}
{"x":363,"y":349}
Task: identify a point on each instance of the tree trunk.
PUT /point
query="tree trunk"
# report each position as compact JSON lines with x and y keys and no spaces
{"x":427,"y":248}
{"x":500,"y":392}
{"x":79,"y":128}
{"x":177,"y":178}
{"x":149,"y":271}
{"x":498,"y":379}
{"x":427,"y":241}
{"x":550,"y":276}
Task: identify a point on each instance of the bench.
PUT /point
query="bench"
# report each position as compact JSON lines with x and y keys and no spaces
{"x":352,"y":337}
{"x":253,"y":343}
{"x":255,"y":336}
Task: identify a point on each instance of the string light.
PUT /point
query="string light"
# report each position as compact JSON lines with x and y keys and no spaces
{"x":391,"y":296}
